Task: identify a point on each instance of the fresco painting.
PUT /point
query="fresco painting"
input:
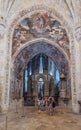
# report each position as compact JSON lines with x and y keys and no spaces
{"x":39,"y":25}
{"x":29,"y":52}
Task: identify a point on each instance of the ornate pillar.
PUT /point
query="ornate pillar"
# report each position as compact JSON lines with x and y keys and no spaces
{"x":46,"y":88}
{"x":35,"y":92}
{"x":29,"y":86}
{"x":51,"y":87}
{"x":12,"y":85}
{"x":77,"y":36}
{"x":75,"y":47}
{"x":63,"y":87}
{"x":73,"y":74}
{"x":5,"y":49}
{"x":4,"y":72}
{"x":35,"y":88}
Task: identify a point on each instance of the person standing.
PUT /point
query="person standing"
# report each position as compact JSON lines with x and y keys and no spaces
{"x":53,"y":106}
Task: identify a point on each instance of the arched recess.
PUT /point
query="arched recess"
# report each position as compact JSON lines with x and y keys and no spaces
{"x":26,"y":13}
{"x":26,"y":54}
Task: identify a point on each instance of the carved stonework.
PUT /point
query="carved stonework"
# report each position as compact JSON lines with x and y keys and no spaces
{"x":78,"y":33}
{"x":23,"y":14}
{"x":46,"y":88}
{"x":73,"y":74}
{"x":2,"y":29}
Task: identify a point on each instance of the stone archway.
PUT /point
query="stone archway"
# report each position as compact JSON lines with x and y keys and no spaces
{"x":26,"y":54}
{"x":22,"y":15}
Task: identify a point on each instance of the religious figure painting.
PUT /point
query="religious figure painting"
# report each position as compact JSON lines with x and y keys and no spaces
{"x":39,"y":25}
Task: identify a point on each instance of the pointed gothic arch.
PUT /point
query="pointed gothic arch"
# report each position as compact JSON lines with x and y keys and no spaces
{"x":22,"y":15}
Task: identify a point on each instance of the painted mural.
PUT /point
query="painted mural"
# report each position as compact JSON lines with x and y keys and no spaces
{"x":39,"y":25}
{"x":32,"y":50}
{"x":26,"y":55}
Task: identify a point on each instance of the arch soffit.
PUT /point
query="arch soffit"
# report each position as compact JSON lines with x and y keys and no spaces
{"x":38,"y":47}
{"x":41,"y":40}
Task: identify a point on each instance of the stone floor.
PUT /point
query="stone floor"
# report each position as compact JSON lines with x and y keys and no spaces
{"x":35,"y":120}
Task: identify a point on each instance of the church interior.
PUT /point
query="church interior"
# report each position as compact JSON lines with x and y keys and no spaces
{"x":40,"y":51}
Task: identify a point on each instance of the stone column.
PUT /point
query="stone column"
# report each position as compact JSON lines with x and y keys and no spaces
{"x":46,"y":88}
{"x":63,"y":86}
{"x":73,"y":74}
{"x":1,"y":72}
{"x":52,"y":89}
{"x":35,"y":88}
{"x":4,"y":71}
{"x":29,"y":86}
{"x":75,"y":47}
{"x":35,"y":93}
{"x":76,"y":56}
{"x":12,"y":85}
{"x":77,"y":36}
